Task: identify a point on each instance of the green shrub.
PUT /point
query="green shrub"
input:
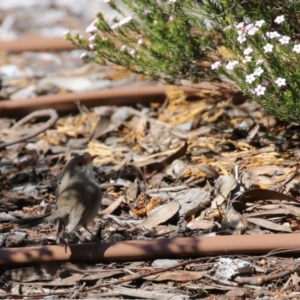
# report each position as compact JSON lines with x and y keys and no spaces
{"x":179,"y":42}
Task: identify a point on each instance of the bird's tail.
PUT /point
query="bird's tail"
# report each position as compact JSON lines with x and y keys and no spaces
{"x":34,"y":221}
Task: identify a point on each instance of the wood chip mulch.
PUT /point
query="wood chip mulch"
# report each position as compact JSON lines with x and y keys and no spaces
{"x":172,"y":169}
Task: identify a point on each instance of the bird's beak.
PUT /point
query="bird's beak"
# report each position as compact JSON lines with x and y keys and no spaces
{"x":89,"y":159}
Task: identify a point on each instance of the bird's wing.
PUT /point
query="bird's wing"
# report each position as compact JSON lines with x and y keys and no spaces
{"x":69,"y":206}
{"x":80,"y":199}
{"x":86,"y":209}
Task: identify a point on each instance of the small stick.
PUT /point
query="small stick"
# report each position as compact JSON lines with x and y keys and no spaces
{"x":138,"y":276}
{"x":36,"y":114}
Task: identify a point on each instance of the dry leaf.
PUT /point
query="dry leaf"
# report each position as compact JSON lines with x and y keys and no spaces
{"x":161,"y":215}
{"x":226,"y":185}
{"x":269,"y":225}
{"x":176,"y":276}
{"x":258,"y":194}
{"x":68,"y":281}
{"x":294,"y":210}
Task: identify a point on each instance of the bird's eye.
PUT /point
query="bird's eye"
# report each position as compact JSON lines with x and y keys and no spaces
{"x":80,"y":164}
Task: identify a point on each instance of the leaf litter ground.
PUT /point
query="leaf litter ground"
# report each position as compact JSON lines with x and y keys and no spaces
{"x":167,"y":170}
{"x":196,"y":165}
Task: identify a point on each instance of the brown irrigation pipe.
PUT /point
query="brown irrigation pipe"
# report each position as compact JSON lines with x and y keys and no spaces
{"x":117,"y":96}
{"x":36,"y":43}
{"x":67,"y":102}
{"x":152,"y":249}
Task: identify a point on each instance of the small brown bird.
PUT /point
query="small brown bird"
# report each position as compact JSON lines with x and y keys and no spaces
{"x":78,"y":202}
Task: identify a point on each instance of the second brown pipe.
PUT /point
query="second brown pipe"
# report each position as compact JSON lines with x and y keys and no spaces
{"x":152,"y":249}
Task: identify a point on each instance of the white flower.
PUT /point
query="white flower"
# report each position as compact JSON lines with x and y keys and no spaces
{"x":296,"y":48}
{"x":92,"y":27}
{"x":66,"y":32}
{"x":92,"y":38}
{"x":140,"y":42}
{"x":247,"y":59}
{"x":250,"y":78}
{"x":92,"y":46}
{"x":106,"y":1}
{"x":248,"y":27}
{"x":216,"y":65}
{"x":241,"y":38}
{"x":280,"y":81}
{"x":279,"y":19}
{"x":258,"y":71}
{"x":84,"y":54}
{"x":227,"y":27}
{"x":231,"y":65}
{"x":240,"y":25}
{"x":253,"y":30}
{"x":248,"y":51}
{"x":268,"y":48}
{"x":122,"y":22}
{"x":272,"y":34}
{"x":284,"y":40}
{"x":113,"y":19}
{"x":259,"y":62}
{"x":259,"y":90}
{"x":259,"y":23}
{"x":123,"y":48}
{"x":132,"y":52}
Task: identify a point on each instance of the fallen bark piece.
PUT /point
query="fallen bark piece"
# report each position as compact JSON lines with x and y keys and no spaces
{"x":162,"y":263}
{"x":14,"y":200}
{"x":15,"y":239}
{"x":44,"y":272}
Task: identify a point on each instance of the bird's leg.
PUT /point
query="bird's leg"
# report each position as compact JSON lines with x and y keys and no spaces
{"x":64,"y":242}
{"x":94,"y":236}
{"x":99,"y":231}
{"x":61,"y":234}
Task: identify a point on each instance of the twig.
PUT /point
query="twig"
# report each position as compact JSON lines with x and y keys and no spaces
{"x":36,"y":114}
{"x":259,"y":280}
{"x":113,"y":206}
{"x":167,"y":189}
{"x":138,"y":276}
{"x":226,"y":282}
{"x":78,"y":290}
